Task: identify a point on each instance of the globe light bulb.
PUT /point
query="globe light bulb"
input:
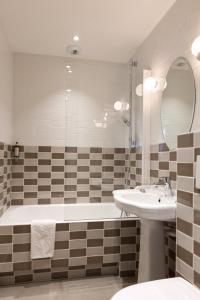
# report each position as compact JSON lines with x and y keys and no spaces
{"x":118,"y":105}
{"x":196,"y":48}
{"x":150,"y":84}
{"x":139,"y":90}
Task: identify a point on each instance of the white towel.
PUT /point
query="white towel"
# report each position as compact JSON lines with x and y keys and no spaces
{"x":42,"y":238}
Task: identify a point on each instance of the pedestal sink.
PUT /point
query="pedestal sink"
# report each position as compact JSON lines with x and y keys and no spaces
{"x":152,"y":206}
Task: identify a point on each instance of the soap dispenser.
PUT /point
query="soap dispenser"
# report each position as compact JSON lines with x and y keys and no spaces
{"x":16,"y":150}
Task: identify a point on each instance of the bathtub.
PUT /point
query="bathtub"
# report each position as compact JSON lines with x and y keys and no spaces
{"x":25,"y":214}
{"x":91,"y":240}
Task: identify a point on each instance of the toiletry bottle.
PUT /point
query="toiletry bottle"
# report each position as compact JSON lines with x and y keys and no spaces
{"x":16,"y":150}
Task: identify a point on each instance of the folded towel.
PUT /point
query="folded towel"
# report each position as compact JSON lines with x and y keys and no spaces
{"x":42,"y":238}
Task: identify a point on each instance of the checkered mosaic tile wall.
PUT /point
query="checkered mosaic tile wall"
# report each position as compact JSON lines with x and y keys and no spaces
{"x":135,"y":167}
{"x":162,"y":163}
{"x":81,"y":249}
{"x":57,"y":175}
{"x":5,"y":177}
{"x":188,"y":209}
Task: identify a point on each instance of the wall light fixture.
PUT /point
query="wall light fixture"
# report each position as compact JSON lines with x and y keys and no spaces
{"x":196,"y":48}
{"x":139,"y":90}
{"x":154,"y":85}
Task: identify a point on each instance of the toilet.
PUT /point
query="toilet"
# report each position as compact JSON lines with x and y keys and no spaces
{"x":165,"y":289}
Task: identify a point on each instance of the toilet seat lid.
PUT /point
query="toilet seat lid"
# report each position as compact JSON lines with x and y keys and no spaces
{"x":165,"y":289}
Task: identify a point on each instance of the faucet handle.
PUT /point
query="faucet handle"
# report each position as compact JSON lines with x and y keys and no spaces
{"x":165,"y":179}
{"x":162,"y":181}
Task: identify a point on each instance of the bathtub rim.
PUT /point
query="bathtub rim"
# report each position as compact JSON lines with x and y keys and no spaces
{"x":134,"y":217}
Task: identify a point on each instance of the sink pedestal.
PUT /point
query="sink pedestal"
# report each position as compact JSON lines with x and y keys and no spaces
{"x":152,"y":255}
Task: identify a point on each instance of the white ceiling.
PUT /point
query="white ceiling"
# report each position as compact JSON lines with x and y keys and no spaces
{"x":109,"y":30}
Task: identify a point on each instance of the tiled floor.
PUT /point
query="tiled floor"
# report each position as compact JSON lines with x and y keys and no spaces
{"x":102,"y":288}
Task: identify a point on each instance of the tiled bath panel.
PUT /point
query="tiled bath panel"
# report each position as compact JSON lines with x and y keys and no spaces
{"x":81,"y":249}
{"x":56,"y":175}
{"x":188,"y":209}
{"x":5,"y":177}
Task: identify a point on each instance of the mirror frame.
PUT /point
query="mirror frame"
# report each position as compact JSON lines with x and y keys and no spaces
{"x":194,"y":102}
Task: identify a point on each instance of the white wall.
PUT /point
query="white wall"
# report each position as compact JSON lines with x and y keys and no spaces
{"x":43,"y":115}
{"x":177,"y":105}
{"x":6,"y":90}
{"x":172,"y":38}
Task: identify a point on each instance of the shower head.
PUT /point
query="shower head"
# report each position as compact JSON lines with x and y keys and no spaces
{"x":73,"y":50}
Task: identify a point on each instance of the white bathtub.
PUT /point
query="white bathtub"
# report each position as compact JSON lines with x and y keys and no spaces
{"x":24,"y":214}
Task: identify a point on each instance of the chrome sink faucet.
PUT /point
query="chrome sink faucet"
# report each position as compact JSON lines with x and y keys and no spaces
{"x":168,"y":187}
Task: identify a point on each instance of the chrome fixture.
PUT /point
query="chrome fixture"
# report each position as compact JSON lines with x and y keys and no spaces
{"x":166,"y":181}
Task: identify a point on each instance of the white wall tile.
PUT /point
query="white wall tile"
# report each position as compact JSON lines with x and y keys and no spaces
{"x":43,"y":116}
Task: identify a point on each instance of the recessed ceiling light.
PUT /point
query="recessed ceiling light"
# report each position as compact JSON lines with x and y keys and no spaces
{"x":69,"y":71}
{"x":76,"y":38}
{"x":68,"y":90}
{"x":68,"y":67}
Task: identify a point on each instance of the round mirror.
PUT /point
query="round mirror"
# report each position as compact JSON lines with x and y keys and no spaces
{"x":178,"y":102}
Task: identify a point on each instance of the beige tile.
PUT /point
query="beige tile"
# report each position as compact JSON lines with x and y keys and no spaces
{"x":173,"y":166}
{"x":163,"y":173}
{"x":95,"y":233}
{"x":197,"y":201}
{"x":21,"y":238}
{"x":154,"y":165}
{"x":163,"y":156}
{"x":185,"y":241}
{"x":185,"y":213}
{"x":62,"y":235}
{"x":94,"y":251}
{"x":112,"y":241}
{"x":78,"y":261}
{"x":5,"y":230}
{"x":185,"y":270}
{"x":61,"y":254}
{"x":6,"y":267}
{"x":185,"y":155}
{"x":185,"y":183}
{"x":5,"y":248}
{"x":111,"y":258}
{"x":78,"y":244}
{"x":197,"y":233}
{"x":78,"y":226}
{"x":197,"y":263}
{"x":197,"y":139}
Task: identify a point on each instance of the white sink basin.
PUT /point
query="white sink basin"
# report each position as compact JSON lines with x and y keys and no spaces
{"x":149,"y":205}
